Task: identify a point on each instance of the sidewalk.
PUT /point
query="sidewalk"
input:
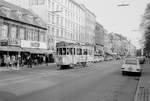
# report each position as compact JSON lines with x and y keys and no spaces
{"x":2,"y":69}
{"x":143,"y":89}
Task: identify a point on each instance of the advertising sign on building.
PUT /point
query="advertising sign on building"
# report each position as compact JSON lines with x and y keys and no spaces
{"x":14,"y":42}
{"x":3,"y":42}
{"x":33,"y":44}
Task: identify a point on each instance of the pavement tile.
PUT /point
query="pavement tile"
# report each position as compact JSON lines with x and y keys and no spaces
{"x":143,"y":89}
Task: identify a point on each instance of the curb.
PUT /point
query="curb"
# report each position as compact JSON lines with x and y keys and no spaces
{"x":137,"y":90}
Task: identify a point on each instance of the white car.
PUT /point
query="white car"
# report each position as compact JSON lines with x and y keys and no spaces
{"x":131,"y":65}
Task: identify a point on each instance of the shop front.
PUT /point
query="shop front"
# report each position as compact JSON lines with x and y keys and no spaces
{"x":37,"y":50}
{"x":9,"y":48}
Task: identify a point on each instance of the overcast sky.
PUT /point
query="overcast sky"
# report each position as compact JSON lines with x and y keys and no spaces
{"x":123,"y":20}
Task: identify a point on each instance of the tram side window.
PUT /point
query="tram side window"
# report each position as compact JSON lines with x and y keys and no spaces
{"x":67,"y":51}
{"x":79,"y":51}
{"x":85,"y":52}
{"x":71,"y":51}
{"x":57,"y":51}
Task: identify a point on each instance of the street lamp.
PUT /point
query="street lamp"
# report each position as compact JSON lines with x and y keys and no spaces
{"x":54,"y":11}
{"x":123,"y":5}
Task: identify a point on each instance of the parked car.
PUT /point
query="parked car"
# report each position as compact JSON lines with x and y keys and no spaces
{"x":118,"y":58}
{"x":131,"y":65}
{"x":141,"y":59}
{"x":108,"y":58}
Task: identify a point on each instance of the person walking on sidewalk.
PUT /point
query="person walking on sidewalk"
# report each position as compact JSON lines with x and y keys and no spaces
{"x":7,"y":61}
{"x":47,"y":60}
{"x":13,"y":61}
{"x":29,"y":62}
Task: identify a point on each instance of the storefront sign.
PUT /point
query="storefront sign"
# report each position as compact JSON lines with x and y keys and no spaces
{"x":14,"y":42}
{"x":3,"y":42}
{"x":33,"y":44}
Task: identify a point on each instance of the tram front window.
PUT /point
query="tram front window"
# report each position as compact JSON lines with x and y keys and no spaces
{"x":64,"y":51}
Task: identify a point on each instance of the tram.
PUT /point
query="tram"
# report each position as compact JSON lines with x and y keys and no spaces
{"x":71,"y":54}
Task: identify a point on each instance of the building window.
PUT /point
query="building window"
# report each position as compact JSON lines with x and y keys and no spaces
{"x":29,"y":35}
{"x":57,"y":32}
{"x":22,"y":33}
{"x":4,"y":31}
{"x":36,"y":35}
{"x":36,"y":2}
{"x":42,"y":36}
{"x":61,"y":33}
{"x":53,"y":18}
{"x":53,"y":31}
{"x":13,"y":32}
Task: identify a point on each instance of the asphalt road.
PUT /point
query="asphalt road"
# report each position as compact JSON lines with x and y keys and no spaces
{"x":98,"y":82}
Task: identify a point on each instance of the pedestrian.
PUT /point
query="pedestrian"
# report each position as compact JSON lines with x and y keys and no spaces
{"x":8,"y":61}
{"x":13,"y":61}
{"x":4,"y":60}
{"x":44,"y":59}
{"x":29,"y":62}
{"x":47,"y":60}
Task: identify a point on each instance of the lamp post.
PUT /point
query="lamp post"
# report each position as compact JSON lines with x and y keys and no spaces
{"x":54,"y":11}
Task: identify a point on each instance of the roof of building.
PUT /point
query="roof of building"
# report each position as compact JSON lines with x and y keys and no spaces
{"x":84,"y":7}
{"x":19,"y":14}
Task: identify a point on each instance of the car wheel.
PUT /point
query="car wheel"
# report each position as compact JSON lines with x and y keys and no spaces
{"x":123,"y":73}
{"x":139,"y":73}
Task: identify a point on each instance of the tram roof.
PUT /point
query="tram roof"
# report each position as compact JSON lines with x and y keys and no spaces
{"x":62,"y":43}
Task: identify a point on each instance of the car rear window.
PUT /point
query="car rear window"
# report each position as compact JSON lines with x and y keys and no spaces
{"x":132,"y":62}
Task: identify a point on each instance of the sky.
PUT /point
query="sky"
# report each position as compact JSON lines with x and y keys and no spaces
{"x":123,"y":20}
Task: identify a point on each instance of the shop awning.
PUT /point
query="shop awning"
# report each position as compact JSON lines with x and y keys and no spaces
{"x":11,"y":48}
{"x":37,"y":51}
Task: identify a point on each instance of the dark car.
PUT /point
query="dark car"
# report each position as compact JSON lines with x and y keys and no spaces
{"x":141,"y":59}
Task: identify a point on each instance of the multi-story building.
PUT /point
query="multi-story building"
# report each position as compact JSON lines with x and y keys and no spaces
{"x":131,"y":49}
{"x":21,"y":31}
{"x":66,"y":20}
{"x":107,"y":44}
{"x":90,"y":22}
{"x":99,"y":38}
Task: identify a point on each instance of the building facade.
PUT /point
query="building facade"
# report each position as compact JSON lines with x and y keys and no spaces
{"x":99,"y":39}
{"x":66,"y":20}
{"x":21,"y":31}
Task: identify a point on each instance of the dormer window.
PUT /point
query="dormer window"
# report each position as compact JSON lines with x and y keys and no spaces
{"x":38,"y":20}
{"x":28,"y":17}
{"x":18,"y":13}
{"x":5,"y":10}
